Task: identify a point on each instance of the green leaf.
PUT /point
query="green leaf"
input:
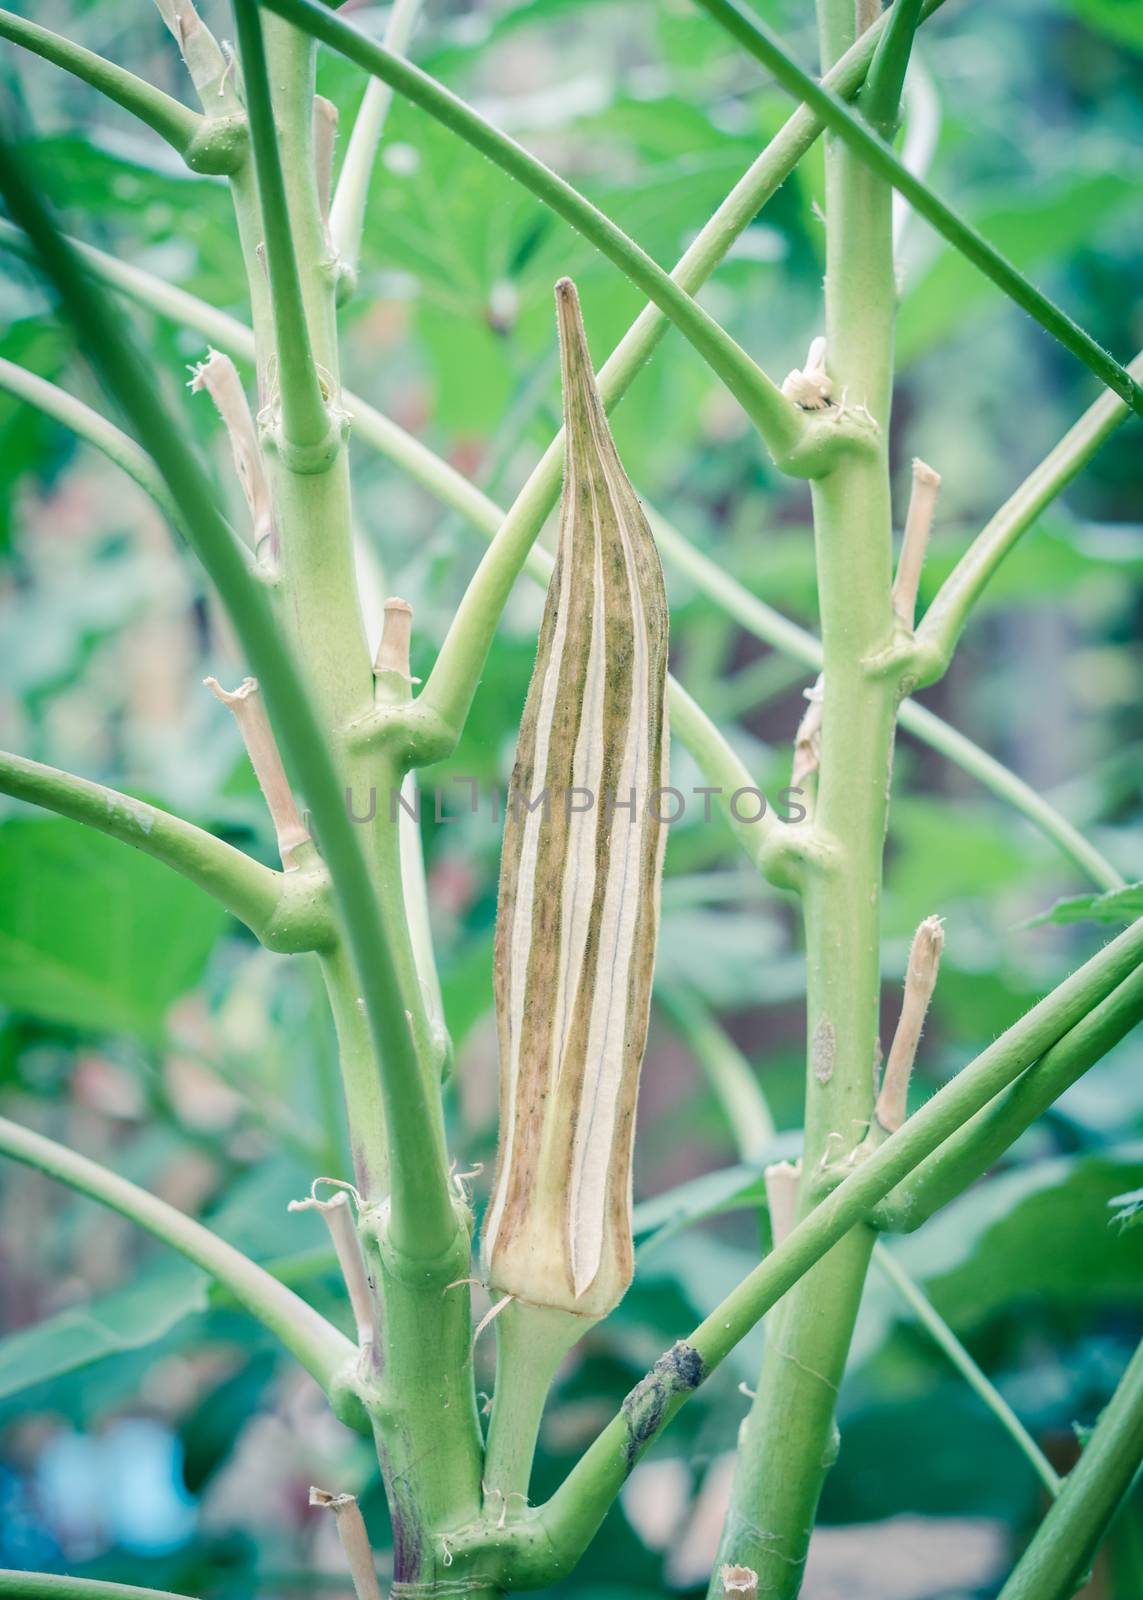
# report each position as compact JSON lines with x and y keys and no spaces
{"x":1121,"y":20}
{"x":1116,"y":905}
{"x":1130,"y":1212}
{"x":126,"y":1319}
{"x":95,"y":934}
{"x":1036,"y":1235}
{"x":1041,"y":229}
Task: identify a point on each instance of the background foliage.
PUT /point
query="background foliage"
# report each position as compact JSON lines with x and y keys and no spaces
{"x":163,"y":1438}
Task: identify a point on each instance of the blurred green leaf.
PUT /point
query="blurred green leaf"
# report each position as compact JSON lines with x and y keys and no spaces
{"x":1116,"y":905}
{"x":1130,"y":1212}
{"x":1121,"y":20}
{"x":1030,"y":232}
{"x":126,"y":1319}
{"x":96,"y":934}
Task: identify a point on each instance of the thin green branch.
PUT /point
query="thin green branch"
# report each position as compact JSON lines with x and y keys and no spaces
{"x":945,"y":618}
{"x":1005,"y":785}
{"x":516,"y":530}
{"x":175,"y":123}
{"x":946,"y":1340}
{"x":730,"y":1076}
{"x":571,"y":1516}
{"x":422,"y":1218}
{"x":285,"y":911}
{"x":325,"y":1352}
{"x":983,"y":1140}
{"x":347,"y":213}
{"x":766,"y":47}
{"x":778,"y":420}
{"x":306,"y":423}
{"x":1057,"y":1561}
{"x":111,"y":441}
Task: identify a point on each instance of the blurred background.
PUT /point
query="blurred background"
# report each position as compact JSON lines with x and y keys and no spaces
{"x":150,"y":1432}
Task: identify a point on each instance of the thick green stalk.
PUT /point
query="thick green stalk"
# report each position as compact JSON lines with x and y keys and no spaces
{"x":1059,"y":1558}
{"x":533,"y":505}
{"x":775,"y":1494}
{"x":172,"y":121}
{"x":422,"y":1214}
{"x":943,"y":1336}
{"x":316,"y":1343}
{"x":872,"y":150}
{"x":781,"y":424}
{"x":421,"y":1397}
{"x":286,"y":911}
{"x":422,"y":1401}
{"x":982,"y":1141}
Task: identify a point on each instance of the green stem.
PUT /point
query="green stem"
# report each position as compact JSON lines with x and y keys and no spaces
{"x":464,"y":661}
{"x":945,"y":618}
{"x":1059,"y":1557}
{"x":569,"y":1519}
{"x":175,"y":123}
{"x":766,"y":47}
{"x":285,"y":911}
{"x":324,"y":1352}
{"x":531,"y":1343}
{"x":946,"y":1340}
{"x":422,"y":1216}
{"x":59,"y":1586}
{"x":306,"y":424}
{"x":87,"y":424}
{"x":973,"y":1149}
{"x":780,"y":423}
{"x":750,"y":816}
{"x":347,"y":213}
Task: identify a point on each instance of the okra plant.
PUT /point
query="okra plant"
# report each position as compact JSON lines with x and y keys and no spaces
{"x":336,"y":731}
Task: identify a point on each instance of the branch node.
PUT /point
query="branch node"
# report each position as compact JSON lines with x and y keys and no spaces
{"x":810,"y":387}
